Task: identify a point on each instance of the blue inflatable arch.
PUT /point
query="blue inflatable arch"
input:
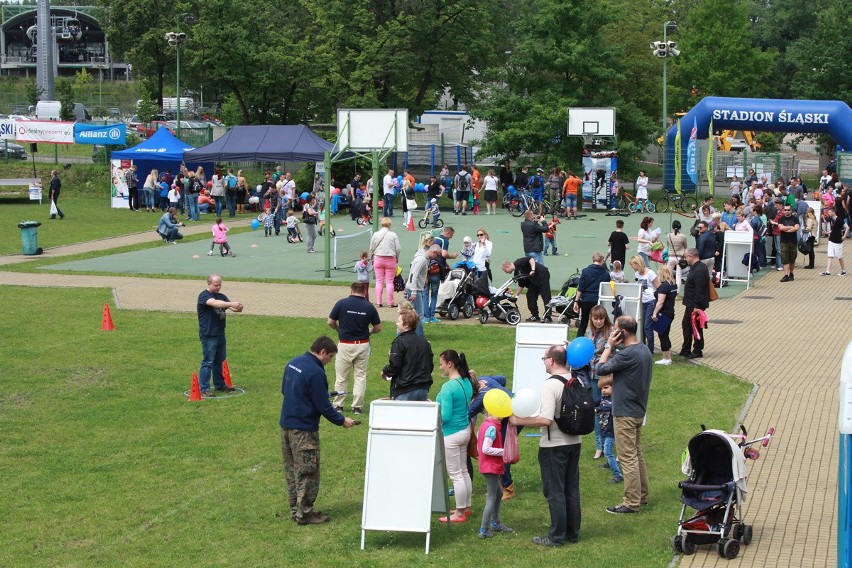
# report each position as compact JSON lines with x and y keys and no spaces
{"x":762,"y":115}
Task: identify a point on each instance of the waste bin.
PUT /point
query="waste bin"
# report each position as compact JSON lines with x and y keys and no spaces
{"x":29,"y":237}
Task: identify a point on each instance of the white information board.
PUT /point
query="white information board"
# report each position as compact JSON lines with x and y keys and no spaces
{"x":531,"y":341}
{"x":372,"y":129}
{"x":631,"y":302}
{"x":405,"y":480}
{"x":737,"y":245}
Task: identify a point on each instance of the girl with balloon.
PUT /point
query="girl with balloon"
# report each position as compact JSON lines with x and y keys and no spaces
{"x":598,"y":332}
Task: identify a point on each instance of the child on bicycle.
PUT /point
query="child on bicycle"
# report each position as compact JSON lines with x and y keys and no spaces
{"x":433,"y":211}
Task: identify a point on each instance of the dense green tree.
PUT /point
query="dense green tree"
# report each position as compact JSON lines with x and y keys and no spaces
{"x":65,"y":95}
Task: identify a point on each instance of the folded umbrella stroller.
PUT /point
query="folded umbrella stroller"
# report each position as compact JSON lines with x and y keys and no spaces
{"x":716,"y":489}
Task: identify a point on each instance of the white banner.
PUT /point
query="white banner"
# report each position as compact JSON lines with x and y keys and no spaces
{"x":7,"y":129}
{"x":46,"y":131}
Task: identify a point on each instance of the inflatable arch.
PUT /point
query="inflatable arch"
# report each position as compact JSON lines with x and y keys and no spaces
{"x":763,"y":115}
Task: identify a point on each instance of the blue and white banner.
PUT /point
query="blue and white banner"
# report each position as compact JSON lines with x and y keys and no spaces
{"x":8,"y":130}
{"x":692,"y":153}
{"x":112,"y":134}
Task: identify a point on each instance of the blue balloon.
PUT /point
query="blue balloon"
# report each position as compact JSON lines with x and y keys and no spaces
{"x":305,"y":195}
{"x":580,"y":352}
{"x":255,"y":224}
{"x":419,"y":187}
{"x":399,"y":179}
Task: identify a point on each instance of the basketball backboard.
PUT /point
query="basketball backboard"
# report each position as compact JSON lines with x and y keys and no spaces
{"x":587,"y":121}
{"x":372,"y":129}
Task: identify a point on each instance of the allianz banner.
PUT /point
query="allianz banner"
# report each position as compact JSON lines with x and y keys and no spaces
{"x":112,"y":134}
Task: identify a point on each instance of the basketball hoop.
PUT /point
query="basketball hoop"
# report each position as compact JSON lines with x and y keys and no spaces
{"x":588,"y":138}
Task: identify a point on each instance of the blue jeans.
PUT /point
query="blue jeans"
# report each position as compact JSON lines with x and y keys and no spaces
{"x":418,"y":309}
{"x":387,"y":211}
{"x":231,"y":200}
{"x":608,"y":442}
{"x":416,"y":394}
{"x":539,"y":258}
{"x":777,"y":240}
{"x":218,"y":199}
{"x":214,"y":353}
{"x":647,"y":332}
{"x":560,"y":481}
{"x":645,"y":258}
{"x":192,"y":207}
{"x":549,"y":242}
{"x":596,"y":395}
{"x":430,"y":295}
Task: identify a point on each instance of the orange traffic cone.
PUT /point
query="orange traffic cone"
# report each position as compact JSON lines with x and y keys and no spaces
{"x":411,"y":223}
{"x":226,"y":374}
{"x":194,"y":390}
{"x":107,"y":321}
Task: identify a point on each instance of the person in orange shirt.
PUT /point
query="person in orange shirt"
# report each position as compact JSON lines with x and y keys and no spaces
{"x":569,"y":190}
{"x":407,"y":176}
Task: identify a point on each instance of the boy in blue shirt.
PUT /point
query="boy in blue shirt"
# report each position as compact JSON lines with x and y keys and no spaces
{"x":604,"y":412}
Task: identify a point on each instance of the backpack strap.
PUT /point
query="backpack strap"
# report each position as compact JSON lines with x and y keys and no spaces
{"x":565,"y":383}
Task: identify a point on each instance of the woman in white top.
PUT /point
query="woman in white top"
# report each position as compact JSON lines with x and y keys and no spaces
{"x":736,"y":186}
{"x":482,"y":251}
{"x":648,"y":279}
{"x":742,"y":222}
{"x":217,"y":191}
{"x":150,"y":185}
{"x":489,"y":184}
{"x":642,"y":185}
{"x":677,"y":248}
{"x":645,"y":238}
{"x":384,"y":250}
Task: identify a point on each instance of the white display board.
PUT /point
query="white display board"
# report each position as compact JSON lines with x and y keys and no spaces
{"x":372,"y":129}
{"x":591,"y":121}
{"x":737,"y":245}
{"x":531,"y":341}
{"x":405,"y":480}
{"x":631,"y":303}
{"x":817,"y":205}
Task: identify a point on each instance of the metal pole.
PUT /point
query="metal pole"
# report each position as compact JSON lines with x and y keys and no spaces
{"x":377,"y":187}
{"x":177,"y":86}
{"x":665,"y":59}
{"x":327,"y":188}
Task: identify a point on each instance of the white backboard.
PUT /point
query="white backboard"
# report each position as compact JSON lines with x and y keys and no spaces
{"x":372,"y":129}
{"x":587,"y":121}
{"x":531,"y":341}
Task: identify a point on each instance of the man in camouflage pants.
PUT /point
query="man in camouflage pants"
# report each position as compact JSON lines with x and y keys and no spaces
{"x":305,"y":390}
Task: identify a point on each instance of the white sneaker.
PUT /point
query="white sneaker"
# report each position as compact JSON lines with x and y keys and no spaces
{"x":210,"y":253}
{"x":663,"y":362}
{"x":842,"y":273}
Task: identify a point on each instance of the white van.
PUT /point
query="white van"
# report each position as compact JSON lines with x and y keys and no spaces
{"x":48,"y":110}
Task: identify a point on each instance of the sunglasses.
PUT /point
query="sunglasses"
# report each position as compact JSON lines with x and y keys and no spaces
{"x":480,"y":234}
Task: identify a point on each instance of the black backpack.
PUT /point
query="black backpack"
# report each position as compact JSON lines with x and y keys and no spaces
{"x":463,"y":182}
{"x":536,"y":182}
{"x":197,"y":186}
{"x":576,"y":412}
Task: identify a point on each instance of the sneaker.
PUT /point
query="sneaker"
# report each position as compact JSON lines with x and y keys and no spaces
{"x":615,"y":480}
{"x":826,"y":273}
{"x":792,"y":277}
{"x":533,"y":319}
{"x":210,"y":253}
{"x":663,"y":362}
{"x":313,"y":518}
{"x":842,"y":273}
{"x":485,"y":533}
{"x":434,"y":320}
{"x":208,"y":394}
{"x":500,"y":527}
{"x":620,"y":510}
{"x":695,"y":355}
{"x":357,"y":410}
{"x":785,"y":278}
{"x":545,"y":541}
{"x":226,"y":389}
{"x":778,"y":268}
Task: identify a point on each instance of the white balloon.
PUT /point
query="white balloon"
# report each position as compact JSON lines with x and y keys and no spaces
{"x":525,"y":403}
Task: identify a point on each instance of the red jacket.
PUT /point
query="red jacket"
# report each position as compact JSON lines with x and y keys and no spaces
{"x":490,"y":464}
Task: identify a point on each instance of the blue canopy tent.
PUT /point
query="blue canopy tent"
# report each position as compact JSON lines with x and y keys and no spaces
{"x":265,"y":144}
{"x":162,"y":152}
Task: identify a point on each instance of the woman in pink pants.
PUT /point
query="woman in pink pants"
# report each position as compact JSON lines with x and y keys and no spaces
{"x":384,"y":250}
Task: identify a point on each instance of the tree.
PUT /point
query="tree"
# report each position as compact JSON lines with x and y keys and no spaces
{"x":34,"y":93}
{"x":65,"y":94}
{"x":81,"y":79}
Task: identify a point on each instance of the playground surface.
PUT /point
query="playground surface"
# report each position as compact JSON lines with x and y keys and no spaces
{"x":774,"y":335}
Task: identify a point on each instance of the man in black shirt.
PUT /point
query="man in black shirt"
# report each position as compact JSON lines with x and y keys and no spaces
{"x":535,"y":278}
{"x":212,"y":306}
{"x":696,"y":296}
{"x":835,"y":242}
{"x":507,"y":178}
{"x":618,"y":243}
{"x":789,"y":225}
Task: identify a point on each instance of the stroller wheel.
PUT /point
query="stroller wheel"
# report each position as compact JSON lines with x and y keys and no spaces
{"x":467,"y":310}
{"x":688,"y":546}
{"x":677,"y":542}
{"x":747,"y":534}
{"x":513,"y":317}
{"x":483,"y":317}
{"x":729,"y":548}
{"x":453,"y":311}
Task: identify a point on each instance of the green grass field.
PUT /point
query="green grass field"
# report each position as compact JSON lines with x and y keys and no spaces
{"x":105,"y":463}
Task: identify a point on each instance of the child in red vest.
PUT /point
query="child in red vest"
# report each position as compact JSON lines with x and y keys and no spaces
{"x":550,"y":235}
{"x":490,"y":446}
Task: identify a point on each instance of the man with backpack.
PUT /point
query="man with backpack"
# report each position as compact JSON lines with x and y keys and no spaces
{"x":462,"y":183}
{"x":630,"y":366}
{"x":536,"y":185}
{"x":558,"y":453}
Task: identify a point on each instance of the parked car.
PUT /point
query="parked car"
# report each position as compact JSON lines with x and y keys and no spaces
{"x":16,"y":151}
{"x":149,"y":128}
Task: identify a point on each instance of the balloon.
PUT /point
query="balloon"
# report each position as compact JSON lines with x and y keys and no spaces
{"x":399,"y":179}
{"x":255,"y":224}
{"x":497,"y":403}
{"x":305,"y":195}
{"x":335,"y":191}
{"x":419,"y":187}
{"x":580,"y":352}
{"x":525,"y":403}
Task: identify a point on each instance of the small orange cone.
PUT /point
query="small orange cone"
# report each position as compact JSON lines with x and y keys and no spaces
{"x":226,"y":374}
{"x":194,"y":390}
{"x":107,"y":322}
{"x":411,"y":223}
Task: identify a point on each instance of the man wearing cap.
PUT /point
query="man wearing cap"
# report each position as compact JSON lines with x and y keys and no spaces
{"x":355,"y":319}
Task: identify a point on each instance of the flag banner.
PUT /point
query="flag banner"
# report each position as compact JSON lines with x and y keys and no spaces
{"x":677,"y":160}
{"x":692,"y":153}
{"x":711,"y":159}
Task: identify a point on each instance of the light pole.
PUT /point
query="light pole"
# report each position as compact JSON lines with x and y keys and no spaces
{"x":175,"y":40}
{"x":665,"y":49}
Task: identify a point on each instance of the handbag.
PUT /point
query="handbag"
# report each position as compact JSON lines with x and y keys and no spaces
{"x":694,"y":230}
{"x":472,"y":449}
{"x":656,"y":256}
{"x":680,"y":260}
{"x":54,"y":210}
{"x":511,"y":454}
{"x":712,"y":293}
{"x":662,"y":324}
{"x":411,"y":204}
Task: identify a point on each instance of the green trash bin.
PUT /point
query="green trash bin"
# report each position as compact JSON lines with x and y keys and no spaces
{"x":29,"y":237}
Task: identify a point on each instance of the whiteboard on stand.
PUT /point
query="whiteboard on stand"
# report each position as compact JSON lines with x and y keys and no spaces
{"x":531,"y":341}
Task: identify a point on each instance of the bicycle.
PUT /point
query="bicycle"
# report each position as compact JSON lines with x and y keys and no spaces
{"x":428,"y":219}
{"x":518,"y":205}
{"x":630,"y":203}
{"x":676,"y":200}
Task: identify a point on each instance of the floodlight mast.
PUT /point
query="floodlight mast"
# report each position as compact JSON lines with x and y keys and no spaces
{"x":665,"y":49}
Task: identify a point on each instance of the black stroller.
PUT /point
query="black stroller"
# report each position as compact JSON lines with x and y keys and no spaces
{"x":499,"y":304}
{"x":561,"y":306}
{"x":716,"y":489}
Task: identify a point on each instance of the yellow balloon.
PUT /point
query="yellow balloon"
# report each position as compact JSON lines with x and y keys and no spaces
{"x":497,"y":403}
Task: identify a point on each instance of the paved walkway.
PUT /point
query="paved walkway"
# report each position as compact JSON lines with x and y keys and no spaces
{"x":780,"y":336}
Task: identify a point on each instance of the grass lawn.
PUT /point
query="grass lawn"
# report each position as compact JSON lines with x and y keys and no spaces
{"x":105,"y":463}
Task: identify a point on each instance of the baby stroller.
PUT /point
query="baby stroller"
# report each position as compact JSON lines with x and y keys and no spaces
{"x":716,"y":489}
{"x":496,"y":302}
{"x":562,"y":305}
{"x":455,"y":290}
